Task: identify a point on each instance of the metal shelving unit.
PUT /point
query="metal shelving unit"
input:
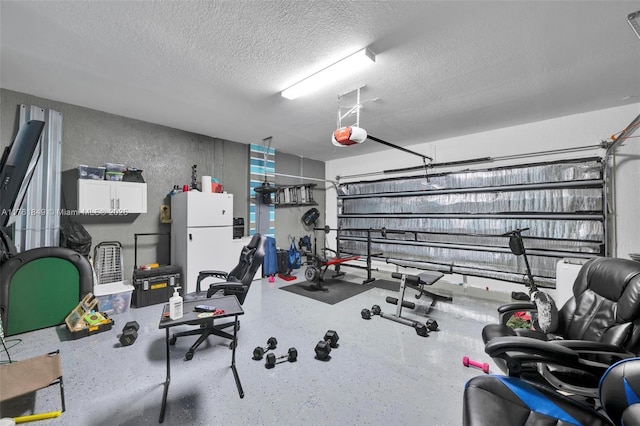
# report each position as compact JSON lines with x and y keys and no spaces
{"x":294,"y":195}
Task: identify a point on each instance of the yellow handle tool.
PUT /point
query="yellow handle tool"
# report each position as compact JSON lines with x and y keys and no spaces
{"x":34,"y":417}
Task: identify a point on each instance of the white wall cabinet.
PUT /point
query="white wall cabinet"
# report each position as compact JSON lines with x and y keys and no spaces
{"x":99,"y":196}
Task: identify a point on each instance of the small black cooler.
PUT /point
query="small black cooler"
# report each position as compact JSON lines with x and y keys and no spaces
{"x":155,"y":285}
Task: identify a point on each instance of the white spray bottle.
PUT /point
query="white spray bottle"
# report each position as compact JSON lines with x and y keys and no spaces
{"x":175,"y":305}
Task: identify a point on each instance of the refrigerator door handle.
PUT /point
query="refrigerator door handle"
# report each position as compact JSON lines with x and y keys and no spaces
{"x":190,"y":237}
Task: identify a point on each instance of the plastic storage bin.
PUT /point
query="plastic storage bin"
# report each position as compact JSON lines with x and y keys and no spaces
{"x":114,"y":167}
{"x":113,"y":298}
{"x":86,"y":172}
{"x":115,"y":176}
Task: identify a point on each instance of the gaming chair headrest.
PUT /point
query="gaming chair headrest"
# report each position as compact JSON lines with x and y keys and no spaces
{"x":259,"y":241}
{"x":615,"y":279}
{"x":620,"y":389}
{"x":255,"y":241}
{"x":249,"y":251}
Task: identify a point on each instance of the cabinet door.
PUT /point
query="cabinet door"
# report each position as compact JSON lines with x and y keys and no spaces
{"x":204,"y":209}
{"x":131,"y":197}
{"x":94,"y":196}
{"x":208,"y":249}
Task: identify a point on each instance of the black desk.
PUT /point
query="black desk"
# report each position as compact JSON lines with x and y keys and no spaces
{"x":231,"y":308}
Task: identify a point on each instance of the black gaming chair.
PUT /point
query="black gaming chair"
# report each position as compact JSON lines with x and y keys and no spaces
{"x":237,"y":282}
{"x":600,"y":323}
{"x":499,"y":400}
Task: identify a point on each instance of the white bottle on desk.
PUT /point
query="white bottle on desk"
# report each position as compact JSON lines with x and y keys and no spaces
{"x":175,"y":305}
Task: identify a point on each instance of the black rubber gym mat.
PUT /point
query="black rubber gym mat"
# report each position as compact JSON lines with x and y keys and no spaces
{"x":337,"y":290}
{"x":386,"y":284}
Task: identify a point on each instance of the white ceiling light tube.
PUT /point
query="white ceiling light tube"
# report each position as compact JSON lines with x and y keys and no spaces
{"x":333,"y":72}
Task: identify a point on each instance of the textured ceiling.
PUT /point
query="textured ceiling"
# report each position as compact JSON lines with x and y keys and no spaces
{"x":442,"y":69}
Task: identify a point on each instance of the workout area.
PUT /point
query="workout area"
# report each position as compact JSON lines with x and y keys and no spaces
{"x":328,"y":213}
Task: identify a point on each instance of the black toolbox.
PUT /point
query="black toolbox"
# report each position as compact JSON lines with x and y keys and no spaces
{"x":155,"y":285}
{"x":84,"y":320}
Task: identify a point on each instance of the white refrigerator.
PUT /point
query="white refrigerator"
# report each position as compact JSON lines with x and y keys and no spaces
{"x":201,"y":235}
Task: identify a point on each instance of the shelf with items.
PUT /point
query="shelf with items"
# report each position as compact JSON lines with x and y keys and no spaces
{"x":294,"y":195}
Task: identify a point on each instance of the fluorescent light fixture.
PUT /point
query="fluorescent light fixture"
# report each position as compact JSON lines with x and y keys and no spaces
{"x":333,"y":72}
{"x":634,"y":20}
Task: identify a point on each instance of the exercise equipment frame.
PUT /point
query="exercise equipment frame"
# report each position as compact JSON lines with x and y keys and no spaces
{"x":338,"y":261}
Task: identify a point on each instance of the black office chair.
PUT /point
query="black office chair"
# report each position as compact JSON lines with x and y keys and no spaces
{"x":237,"y":282}
{"x":600,"y":323}
{"x":491,"y":400}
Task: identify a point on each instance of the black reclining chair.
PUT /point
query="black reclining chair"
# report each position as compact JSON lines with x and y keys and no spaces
{"x":499,"y":400}
{"x":237,"y":282}
{"x":600,"y":323}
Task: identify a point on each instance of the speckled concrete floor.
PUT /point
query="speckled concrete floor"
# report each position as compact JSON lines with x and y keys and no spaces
{"x":382,"y":373}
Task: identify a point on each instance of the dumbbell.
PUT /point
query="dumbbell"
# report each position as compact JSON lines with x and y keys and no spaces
{"x":323,"y":348}
{"x":129,"y":333}
{"x":259,"y":351}
{"x":431,"y":324}
{"x":272,"y":359}
{"x":424,"y":329}
{"x":421,"y":329}
{"x":367,"y":313}
{"x":481,"y":365}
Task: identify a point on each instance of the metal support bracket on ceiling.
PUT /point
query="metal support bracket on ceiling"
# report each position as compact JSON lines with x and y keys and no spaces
{"x":355,"y":109}
{"x":351,"y":109}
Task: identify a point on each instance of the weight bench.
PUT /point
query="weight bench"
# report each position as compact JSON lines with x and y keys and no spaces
{"x":417,"y":282}
{"x":420,"y":281}
{"x":20,"y":378}
{"x":314,"y":273}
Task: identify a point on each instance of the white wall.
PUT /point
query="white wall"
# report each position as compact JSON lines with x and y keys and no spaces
{"x":575,"y":131}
